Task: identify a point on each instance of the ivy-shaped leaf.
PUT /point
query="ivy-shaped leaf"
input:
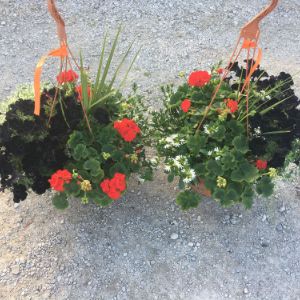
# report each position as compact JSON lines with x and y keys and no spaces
{"x":247,"y":197}
{"x":91,"y":164}
{"x":265,"y":186}
{"x":188,"y":199}
{"x":219,"y":134}
{"x":72,"y":188}
{"x":80,"y":152}
{"x":228,"y":161}
{"x":195,"y":143}
{"x":60,"y":201}
{"x":240,"y":143}
{"x":212,"y":166}
{"x":245,"y":172}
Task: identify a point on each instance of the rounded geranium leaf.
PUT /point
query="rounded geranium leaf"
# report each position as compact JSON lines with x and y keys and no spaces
{"x":188,"y":199}
{"x":60,"y":201}
{"x":240,"y":143}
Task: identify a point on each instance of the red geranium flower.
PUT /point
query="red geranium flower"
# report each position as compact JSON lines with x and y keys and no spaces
{"x":199,"y":78}
{"x":115,"y":186}
{"x":185,"y":105}
{"x":78,"y":90}
{"x":232,"y":105}
{"x":220,"y":71}
{"x":261,"y":164}
{"x":128,"y":129}
{"x":66,"y":76}
{"x":59,"y":178}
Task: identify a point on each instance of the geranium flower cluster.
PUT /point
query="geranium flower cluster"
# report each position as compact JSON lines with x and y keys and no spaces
{"x":59,"y":178}
{"x":128,"y":129}
{"x":66,"y":76}
{"x":115,"y":186}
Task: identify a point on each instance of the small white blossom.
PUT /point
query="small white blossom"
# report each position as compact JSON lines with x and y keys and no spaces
{"x":209,"y":153}
{"x":206,"y":130}
{"x":217,"y":149}
{"x":167,"y":168}
{"x":217,"y":158}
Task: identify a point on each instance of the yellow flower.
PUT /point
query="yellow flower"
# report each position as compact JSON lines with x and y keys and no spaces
{"x":221,"y":182}
{"x":85,"y":200}
{"x":181,"y":74}
{"x":272,"y":172}
{"x":106,"y":155}
{"x":86,"y":186}
{"x":134,"y":158}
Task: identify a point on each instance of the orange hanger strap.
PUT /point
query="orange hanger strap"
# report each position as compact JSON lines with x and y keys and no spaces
{"x":254,"y":67}
{"x":60,"y":24}
{"x":60,"y":52}
{"x":247,"y":44}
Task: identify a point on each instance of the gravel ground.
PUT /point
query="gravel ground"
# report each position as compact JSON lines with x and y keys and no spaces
{"x":144,"y":247}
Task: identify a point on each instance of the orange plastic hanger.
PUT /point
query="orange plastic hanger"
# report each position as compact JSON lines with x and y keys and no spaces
{"x":248,"y":40}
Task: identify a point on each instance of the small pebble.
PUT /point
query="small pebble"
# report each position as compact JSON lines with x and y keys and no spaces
{"x":174,"y":236}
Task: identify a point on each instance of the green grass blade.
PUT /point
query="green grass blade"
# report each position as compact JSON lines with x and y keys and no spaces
{"x":119,"y":67}
{"x":276,"y":132}
{"x":100,"y":65}
{"x":129,"y":69}
{"x":102,"y":99}
{"x":108,"y":63}
{"x":84,"y":85}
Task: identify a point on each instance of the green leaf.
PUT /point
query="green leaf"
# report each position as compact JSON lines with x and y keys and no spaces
{"x":72,"y":188}
{"x":80,"y":152}
{"x":91,"y":164}
{"x":195,"y":143}
{"x":247,"y":197}
{"x":240,"y":143}
{"x":99,"y":173}
{"x":236,"y":127}
{"x":108,"y":148}
{"x":60,"y":201}
{"x":108,"y":63}
{"x":92,"y":152}
{"x":170,"y":178}
{"x":231,"y":196}
{"x":228,"y":161}
{"x":214,"y":167}
{"x":265,"y":186}
{"x":245,"y":172}
{"x":219,"y":134}
{"x":219,"y":194}
{"x":188,"y":199}
{"x":75,"y":138}
{"x":200,"y":169}
{"x":120,"y":168}
{"x":117,"y":155}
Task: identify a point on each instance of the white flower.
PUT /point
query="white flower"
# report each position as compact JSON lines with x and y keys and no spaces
{"x":154,"y":160}
{"x":209,"y":153}
{"x":167,"y":168}
{"x":187,"y":180}
{"x":206,"y":130}
{"x":257,"y":131}
{"x":217,"y":149}
{"x":217,"y":158}
{"x":167,"y":146}
{"x":178,"y":164}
